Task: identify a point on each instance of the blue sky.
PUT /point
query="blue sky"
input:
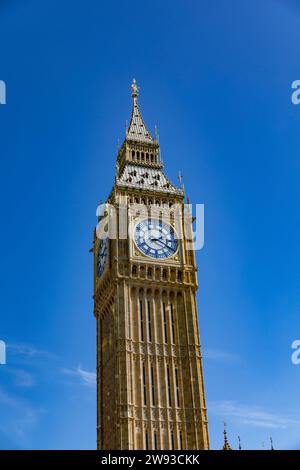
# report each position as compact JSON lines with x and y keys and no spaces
{"x":215,"y":76}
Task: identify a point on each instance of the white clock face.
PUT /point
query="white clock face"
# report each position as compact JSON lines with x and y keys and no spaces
{"x":102,"y":256}
{"x":155,"y":239}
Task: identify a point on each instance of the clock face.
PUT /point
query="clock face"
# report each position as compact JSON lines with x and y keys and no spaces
{"x":102,"y":255}
{"x":155,"y":239}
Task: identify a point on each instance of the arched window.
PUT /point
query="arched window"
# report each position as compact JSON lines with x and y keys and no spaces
{"x":144,"y":385}
{"x":146,"y":440}
{"x":172,"y":440}
{"x":152,"y":386}
{"x":155,"y":440}
{"x":169,"y":386}
{"x":142,"y":331}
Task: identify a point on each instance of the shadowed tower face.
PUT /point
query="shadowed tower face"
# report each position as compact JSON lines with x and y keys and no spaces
{"x":150,"y":390}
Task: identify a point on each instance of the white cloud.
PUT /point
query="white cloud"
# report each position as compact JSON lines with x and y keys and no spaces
{"x":217,"y":355}
{"x":22,"y":378}
{"x":251,"y":415}
{"x":27,"y":351}
{"x":86,"y":377}
{"x":18,"y":418}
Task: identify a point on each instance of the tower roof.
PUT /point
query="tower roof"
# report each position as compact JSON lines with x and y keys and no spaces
{"x":137,"y":130}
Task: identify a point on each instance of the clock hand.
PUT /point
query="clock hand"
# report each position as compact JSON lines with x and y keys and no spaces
{"x":161,"y":241}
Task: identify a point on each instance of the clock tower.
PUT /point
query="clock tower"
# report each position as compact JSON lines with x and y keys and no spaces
{"x":150,"y":388}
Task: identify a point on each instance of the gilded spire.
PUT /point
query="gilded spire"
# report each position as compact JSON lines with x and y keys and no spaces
{"x":134,"y":88}
{"x":137,"y":130}
{"x":226,"y":445}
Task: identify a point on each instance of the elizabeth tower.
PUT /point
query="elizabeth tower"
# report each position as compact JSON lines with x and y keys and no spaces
{"x":150,"y":389}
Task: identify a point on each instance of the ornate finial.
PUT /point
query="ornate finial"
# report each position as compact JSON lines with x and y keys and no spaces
{"x":134,"y":88}
{"x":180,"y":178}
{"x":226,"y":445}
{"x":271,"y":440}
{"x":239,"y":439}
{"x":156,"y":133}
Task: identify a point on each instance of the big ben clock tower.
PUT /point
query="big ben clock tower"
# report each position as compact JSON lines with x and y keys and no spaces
{"x":150,"y":389}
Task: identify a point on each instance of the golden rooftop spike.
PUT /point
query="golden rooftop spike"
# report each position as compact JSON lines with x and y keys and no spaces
{"x":134,"y":88}
{"x":226,"y":445}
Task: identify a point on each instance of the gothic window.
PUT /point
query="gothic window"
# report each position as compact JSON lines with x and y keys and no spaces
{"x":149,"y":272}
{"x":179,"y":276}
{"x":149,"y":321}
{"x":155,"y":440}
{"x":142,"y":320}
{"x":147,"y":157}
{"x":143,"y":200}
{"x":146,"y":440}
{"x":169,"y":387}
{"x":137,"y":155}
{"x":142,"y":156}
{"x":134,"y":270}
{"x":152,"y":386}
{"x":165,"y":323}
{"x":172,"y":440}
{"x":144,"y":385}
{"x":164,"y":274}
{"x":177,"y":387}
{"x":152,"y":157}
{"x":173,"y":324}
{"x":133,"y":153}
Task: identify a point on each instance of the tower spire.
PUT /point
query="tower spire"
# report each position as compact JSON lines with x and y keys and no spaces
{"x":137,"y":130}
{"x":135,"y":89}
{"x":226,"y":445}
